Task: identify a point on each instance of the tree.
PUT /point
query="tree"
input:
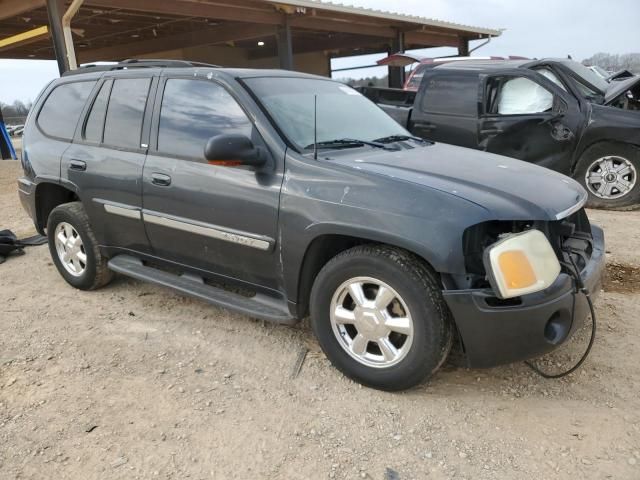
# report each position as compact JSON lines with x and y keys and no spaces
{"x":614,"y":62}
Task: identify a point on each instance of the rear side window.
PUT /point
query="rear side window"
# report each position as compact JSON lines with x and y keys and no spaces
{"x":60,"y":113}
{"x":451,"y":94}
{"x":192,"y":112}
{"x":123,"y":124}
{"x":95,"y":121}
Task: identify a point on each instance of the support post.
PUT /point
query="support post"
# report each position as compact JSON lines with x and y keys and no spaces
{"x":463,"y":47}
{"x":285,"y":45}
{"x":54,"y":11}
{"x":396,"y":74}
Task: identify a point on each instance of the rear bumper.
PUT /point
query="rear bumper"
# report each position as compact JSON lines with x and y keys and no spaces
{"x":495,"y":335}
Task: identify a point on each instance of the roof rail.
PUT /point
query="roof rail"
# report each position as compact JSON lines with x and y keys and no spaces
{"x":139,"y":63}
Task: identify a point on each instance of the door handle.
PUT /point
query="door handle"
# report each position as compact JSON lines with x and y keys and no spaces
{"x":160,"y":179}
{"x":78,"y":165}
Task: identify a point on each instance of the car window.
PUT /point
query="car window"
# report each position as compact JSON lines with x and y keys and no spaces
{"x":521,"y":96}
{"x":452,"y":94}
{"x":95,"y":121}
{"x":61,"y":111}
{"x":192,"y":112}
{"x":545,"y":72}
{"x":123,"y":124}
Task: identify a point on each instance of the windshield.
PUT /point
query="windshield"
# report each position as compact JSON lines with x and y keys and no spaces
{"x":342,"y":112}
{"x":588,"y":75}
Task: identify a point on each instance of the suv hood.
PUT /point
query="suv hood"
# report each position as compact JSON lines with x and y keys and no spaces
{"x":509,"y":189}
{"x":617,"y":88}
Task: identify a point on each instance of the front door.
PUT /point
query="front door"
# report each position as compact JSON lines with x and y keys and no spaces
{"x":220,"y":219}
{"x":526,"y":116}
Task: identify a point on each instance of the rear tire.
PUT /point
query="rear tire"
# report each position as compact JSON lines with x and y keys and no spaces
{"x":74,"y":248}
{"x":401,"y":330}
{"x":609,"y":172}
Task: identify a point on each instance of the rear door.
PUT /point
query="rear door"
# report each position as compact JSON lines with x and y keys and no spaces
{"x":446,"y":109}
{"x":526,"y":115}
{"x":106,"y":159}
{"x":219,"y":219}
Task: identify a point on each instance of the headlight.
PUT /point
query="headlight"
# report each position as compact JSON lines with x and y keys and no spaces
{"x":521,"y":263}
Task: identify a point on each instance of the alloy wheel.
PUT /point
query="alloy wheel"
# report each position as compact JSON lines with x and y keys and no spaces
{"x":371,"y":322}
{"x":70,"y":249}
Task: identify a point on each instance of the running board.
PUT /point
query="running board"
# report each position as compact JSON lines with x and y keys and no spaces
{"x":258,"y":306}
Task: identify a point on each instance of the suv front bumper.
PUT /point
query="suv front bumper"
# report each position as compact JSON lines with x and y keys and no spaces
{"x":541,"y":322}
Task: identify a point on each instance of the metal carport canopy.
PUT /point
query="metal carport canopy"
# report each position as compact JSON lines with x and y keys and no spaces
{"x":250,"y":33}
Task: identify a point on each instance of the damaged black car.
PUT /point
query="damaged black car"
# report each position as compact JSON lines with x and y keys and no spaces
{"x":555,"y":113}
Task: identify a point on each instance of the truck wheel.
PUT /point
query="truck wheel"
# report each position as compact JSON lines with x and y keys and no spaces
{"x":380,"y":318}
{"x":609,"y":172}
{"x":74,"y":248}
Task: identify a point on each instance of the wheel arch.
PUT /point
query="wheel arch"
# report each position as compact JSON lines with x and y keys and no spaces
{"x":324,"y":246}
{"x":49,"y":195}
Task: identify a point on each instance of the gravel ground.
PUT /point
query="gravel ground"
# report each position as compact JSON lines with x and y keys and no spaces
{"x":134,"y":381}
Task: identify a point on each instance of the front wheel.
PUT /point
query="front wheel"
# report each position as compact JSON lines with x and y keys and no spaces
{"x":609,"y":172}
{"x":380,"y":318}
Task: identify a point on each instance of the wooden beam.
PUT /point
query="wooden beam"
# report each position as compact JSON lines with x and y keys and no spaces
{"x":324,"y":45}
{"x":24,"y":38}
{"x":13,"y":8}
{"x":210,"y":36}
{"x":216,"y":11}
{"x":430,"y":39}
{"x":328,"y":25}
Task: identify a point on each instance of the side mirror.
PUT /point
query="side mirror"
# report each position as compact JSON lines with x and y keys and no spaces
{"x":233,"y":150}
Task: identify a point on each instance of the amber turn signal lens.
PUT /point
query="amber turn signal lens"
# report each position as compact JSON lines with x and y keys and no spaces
{"x":516,"y":269}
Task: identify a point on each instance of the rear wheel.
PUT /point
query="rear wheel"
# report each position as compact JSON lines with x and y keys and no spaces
{"x":74,"y":248}
{"x":609,"y":172}
{"x":380,"y":318}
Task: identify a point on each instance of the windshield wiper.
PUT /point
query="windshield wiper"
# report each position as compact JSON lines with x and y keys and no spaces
{"x":401,"y":138}
{"x":347,"y":143}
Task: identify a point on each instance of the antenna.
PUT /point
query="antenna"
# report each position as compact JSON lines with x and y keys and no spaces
{"x":315,"y":127}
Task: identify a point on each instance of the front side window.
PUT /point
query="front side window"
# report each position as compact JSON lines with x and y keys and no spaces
{"x":123,"y":124}
{"x":192,"y":112}
{"x":61,"y":111}
{"x":452,"y":94}
{"x":342,"y":112}
{"x":522,"y":96}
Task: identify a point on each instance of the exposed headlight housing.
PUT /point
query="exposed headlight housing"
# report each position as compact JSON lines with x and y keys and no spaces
{"x":521,"y":263}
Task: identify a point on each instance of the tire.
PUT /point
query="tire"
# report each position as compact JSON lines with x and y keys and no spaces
{"x":615,"y":158}
{"x":71,"y":222}
{"x":417,"y":297}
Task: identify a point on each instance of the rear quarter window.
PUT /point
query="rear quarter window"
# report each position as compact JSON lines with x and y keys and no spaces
{"x":451,"y":94}
{"x":61,"y":110}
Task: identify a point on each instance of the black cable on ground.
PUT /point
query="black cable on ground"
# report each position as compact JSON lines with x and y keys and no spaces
{"x":579,"y":288}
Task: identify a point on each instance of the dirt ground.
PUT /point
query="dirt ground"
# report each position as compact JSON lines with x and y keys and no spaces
{"x":134,"y":381}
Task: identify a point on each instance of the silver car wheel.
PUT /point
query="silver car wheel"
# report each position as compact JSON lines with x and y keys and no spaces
{"x":70,"y":249}
{"x":611,"y":177}
{"x":371,"y":322}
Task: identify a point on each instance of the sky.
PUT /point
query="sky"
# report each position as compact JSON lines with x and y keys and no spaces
{"x":533,"y":28}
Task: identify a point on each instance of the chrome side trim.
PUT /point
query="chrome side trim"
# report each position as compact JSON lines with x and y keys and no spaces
{"x":121,"y":210}
{"x":207,"y":230}
{"x":572,"y":210}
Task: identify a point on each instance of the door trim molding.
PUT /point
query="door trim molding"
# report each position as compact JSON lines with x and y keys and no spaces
{"x":208,"y":230}
{"x":120,"y":209}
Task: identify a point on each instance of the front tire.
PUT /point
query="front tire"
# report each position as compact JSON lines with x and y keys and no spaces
{"x":380,"y":317}
{"x":74,"y":248}
{"x":609,"y":172}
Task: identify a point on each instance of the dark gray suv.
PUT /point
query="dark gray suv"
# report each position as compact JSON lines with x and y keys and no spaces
{"x":279,"y":194}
